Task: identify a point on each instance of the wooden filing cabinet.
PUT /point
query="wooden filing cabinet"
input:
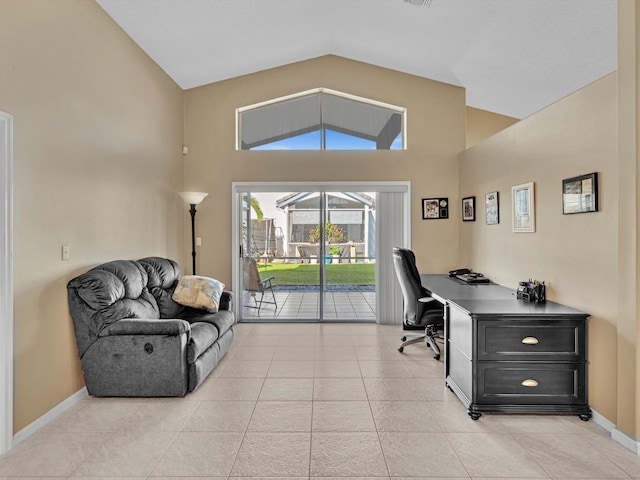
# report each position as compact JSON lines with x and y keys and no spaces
{"x":520,"y":359}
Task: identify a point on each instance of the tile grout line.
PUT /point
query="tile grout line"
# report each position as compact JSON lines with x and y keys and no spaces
{"x":375,"y":424}
{"x":244,"y":434}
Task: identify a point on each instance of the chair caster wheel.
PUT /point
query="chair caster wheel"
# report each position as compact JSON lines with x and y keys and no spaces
{"x":403,"y":339}
{"x":585,"y":417}
{"x":401,"y":349}
{"x":437,"y":357}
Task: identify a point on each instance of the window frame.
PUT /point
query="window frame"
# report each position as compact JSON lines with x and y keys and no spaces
{"x":320,"y":90}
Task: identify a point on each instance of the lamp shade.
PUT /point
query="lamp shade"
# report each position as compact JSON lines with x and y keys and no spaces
{"x":192,"y":198}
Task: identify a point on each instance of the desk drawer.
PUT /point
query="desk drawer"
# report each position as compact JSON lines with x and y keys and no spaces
{"x":548,"y":340}
{"x":529,"y":383}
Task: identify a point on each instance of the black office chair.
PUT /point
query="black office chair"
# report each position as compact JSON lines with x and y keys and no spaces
{"x":420,"y":309}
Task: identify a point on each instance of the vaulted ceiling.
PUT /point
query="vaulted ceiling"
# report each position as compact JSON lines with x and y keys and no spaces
{"x":514,"y":57}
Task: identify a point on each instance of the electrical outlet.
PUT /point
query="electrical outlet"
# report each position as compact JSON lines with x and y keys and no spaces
{"x":198,"y":241}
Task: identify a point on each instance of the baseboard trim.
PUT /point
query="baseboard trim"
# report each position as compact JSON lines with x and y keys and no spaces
{"x":616,"y":435}
{"x":48,"y":417}
{"x":626,"y":441}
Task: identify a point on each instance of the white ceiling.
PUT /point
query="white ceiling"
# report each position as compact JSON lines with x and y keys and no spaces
{"x":513,"y":57}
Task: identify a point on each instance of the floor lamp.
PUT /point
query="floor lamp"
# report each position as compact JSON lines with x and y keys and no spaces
{"x":193,"y":199}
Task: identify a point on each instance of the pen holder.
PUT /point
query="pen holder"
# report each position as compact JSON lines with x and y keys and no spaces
{"x":531,"y":292}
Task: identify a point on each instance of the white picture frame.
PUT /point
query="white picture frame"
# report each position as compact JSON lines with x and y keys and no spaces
{"x":523,"y":213}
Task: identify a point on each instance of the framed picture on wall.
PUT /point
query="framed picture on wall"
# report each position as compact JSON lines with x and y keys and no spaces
{"x":491,"y":208}
{"x":435,"y":208}
{"x":580,"y":194}
{"x":469,"y":209}
{"x":523,"y":214}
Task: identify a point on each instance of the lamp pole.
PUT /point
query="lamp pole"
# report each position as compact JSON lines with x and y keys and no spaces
{"x":192,"y":199}
{"x":192,"y":210}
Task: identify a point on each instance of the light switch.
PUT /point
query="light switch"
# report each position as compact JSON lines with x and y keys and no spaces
{"x":198,"y":241}
{"x":65,"y":252}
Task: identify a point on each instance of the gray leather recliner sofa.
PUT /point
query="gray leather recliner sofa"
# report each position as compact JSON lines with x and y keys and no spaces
{"x":134,"y":340}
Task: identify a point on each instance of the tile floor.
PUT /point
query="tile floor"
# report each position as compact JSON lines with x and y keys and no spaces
{"x":311,"y":400}
{"x":292,"y":304}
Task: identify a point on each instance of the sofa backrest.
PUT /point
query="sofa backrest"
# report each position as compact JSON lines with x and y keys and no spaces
{"x":164,"y":275}
{"x":108,"y":293}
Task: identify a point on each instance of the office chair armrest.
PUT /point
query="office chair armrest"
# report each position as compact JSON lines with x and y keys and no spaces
{"x":427,"y":299}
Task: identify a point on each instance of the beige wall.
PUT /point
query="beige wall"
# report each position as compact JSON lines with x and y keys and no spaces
{"x":576,"y":255}
{"x":628,"y":332}
{"x":98,"y":134}
{"x":482,"y":124}
{"x":436,"y":115}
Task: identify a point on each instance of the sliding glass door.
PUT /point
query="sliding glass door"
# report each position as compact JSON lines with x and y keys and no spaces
{"x":314,"y":252}
{"x":321,"y":250}
{"x":349,"y":252}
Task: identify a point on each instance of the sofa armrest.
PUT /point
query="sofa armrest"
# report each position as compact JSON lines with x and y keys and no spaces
{"x":226,"y":300}
{"x":147,"y":326}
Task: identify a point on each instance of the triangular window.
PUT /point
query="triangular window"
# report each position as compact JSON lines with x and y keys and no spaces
{"x":321,"y":119}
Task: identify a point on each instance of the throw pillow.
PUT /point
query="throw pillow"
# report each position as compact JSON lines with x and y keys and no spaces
{"x":199,"y":292}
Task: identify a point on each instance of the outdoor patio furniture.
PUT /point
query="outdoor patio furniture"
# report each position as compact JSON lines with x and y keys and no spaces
{"x":254,"y":284}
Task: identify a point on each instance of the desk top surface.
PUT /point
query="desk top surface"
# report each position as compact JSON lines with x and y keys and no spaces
{"x":490,"y":299}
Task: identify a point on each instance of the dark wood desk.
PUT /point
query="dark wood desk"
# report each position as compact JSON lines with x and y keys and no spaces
{"x":503,"y":355}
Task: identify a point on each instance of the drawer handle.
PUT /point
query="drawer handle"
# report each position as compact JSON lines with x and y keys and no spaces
{"x":530,"y":340}
{"x":529,"y":382}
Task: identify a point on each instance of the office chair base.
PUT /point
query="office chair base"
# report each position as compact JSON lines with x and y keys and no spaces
{"x":429,"y":336}
{"x":410,"y":340}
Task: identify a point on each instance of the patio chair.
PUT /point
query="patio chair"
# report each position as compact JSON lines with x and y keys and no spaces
{"x":254,"y":284}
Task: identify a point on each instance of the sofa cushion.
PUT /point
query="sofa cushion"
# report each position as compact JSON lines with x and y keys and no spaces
{"x":116,"y":290}
{"x":103,"y":285}
{"x":147,"y":326}
{"x":223,"y":320}
{"x":203,"y":335}
{"x":164,"y":275}
{"x":199,"y":292}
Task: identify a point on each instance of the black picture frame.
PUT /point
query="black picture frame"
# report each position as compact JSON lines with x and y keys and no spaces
{"x":435,"y":208}
{"x":580,"y":194}
{"x":492,"y":208}
{"x":469,"y":209}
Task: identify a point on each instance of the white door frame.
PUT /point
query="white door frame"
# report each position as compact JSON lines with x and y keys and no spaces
{"x":358,"y":186}
{"x":6,"y":282}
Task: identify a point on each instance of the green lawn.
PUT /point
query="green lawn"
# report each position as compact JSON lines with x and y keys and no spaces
{"x":308,"y":274}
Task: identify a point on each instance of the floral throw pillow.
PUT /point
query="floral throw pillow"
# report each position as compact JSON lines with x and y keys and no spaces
{"x":199,"y":292}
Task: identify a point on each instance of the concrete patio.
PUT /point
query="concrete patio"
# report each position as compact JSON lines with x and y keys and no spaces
{"x":305,"y":305}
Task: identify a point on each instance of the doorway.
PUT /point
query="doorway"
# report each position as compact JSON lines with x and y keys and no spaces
{"x":316,"y":248}
{"x":6,"y":282}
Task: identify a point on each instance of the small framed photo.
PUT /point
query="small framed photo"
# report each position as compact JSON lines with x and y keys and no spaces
{"x":469,"y":209}
{"x":523,"y":214}
{"x":580,"y":194}
{"x":433,"y":208}
{"x":492,"y":208}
